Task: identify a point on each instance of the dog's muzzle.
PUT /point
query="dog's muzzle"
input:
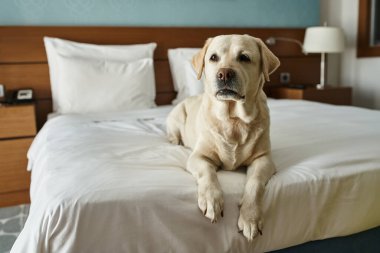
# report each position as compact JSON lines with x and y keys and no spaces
{"x":227,"y":94}
{"x":227,"y":83}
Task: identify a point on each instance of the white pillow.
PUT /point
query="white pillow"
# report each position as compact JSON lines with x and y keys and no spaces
{"x":88,"y":85}
{"x":56,"y":48}
{"x":184,"y":76}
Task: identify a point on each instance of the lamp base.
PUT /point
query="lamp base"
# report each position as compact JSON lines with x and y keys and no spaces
{"x":320,"y":86}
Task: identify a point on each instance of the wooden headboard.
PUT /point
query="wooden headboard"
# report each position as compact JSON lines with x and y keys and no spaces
{"x":23,"y":61}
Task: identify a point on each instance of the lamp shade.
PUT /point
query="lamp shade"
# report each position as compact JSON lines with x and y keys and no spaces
{"x":323,"y":39}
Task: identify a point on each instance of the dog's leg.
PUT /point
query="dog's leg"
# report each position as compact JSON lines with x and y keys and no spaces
{"x":250,"y":219}
{"x":174,"y":123}
{"x":210,"y":196}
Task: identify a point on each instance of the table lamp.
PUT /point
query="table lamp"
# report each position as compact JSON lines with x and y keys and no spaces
{"x":323,"y":39}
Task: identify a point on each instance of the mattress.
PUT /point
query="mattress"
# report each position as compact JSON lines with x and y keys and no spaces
{"x":113,"y":183}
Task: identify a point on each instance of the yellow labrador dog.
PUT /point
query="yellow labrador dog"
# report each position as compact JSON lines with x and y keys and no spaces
{"x":227,"y":126}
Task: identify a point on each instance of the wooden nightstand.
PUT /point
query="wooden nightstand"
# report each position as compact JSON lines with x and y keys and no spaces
{"x":330,"y":95}
{"x":17,"y":130}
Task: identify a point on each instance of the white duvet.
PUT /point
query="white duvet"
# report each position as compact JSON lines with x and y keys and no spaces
{"x":113,"y":183}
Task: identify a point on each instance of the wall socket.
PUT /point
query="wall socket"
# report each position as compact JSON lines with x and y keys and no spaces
{"x":2,"y":91}
{"x":284,"y":77}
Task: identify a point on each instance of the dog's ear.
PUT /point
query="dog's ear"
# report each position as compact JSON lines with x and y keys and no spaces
{"x":198,"y":61}
{"x":269,"y":62}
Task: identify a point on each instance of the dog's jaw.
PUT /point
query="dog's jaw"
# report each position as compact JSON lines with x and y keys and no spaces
{"x":229,"y":95}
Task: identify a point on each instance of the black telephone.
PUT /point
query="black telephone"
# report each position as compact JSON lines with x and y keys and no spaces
{"x":19,"y":96}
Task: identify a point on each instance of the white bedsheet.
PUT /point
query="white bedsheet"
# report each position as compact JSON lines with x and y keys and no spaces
{"x":112,"y":183}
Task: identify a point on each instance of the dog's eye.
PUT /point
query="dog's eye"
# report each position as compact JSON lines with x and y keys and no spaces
{"x":244,"y":58}
{"x":214,"y":58}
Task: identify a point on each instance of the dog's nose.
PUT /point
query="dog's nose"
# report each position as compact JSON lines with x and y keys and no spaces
{"x":225,"y":74}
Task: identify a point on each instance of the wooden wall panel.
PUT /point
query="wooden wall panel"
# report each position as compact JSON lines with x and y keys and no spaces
{"x":163,"y":77}
{"x":27,"y":75}
{"x":23,"y":61}
{"x":36,"y":75}
{"x":43,"y":108}
{"x":303,"y":70}
{"x":25,"y":43}
{"x":165,"y":98}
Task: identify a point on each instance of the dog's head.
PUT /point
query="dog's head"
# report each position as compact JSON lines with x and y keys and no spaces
{"x":234,"y":66}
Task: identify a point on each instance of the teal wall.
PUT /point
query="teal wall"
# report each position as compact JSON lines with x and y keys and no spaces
{"x":231,"y":13}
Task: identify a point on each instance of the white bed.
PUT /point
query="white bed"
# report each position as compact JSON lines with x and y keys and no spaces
{"x":112,"y":183}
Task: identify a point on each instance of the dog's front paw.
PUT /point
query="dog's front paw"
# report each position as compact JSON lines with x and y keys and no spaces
{"x":210,"y":201}
{"x":250,"y":221}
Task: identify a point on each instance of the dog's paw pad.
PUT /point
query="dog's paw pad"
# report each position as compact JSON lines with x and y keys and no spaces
{"x":210,"y":202}
{"x":250,"y":222}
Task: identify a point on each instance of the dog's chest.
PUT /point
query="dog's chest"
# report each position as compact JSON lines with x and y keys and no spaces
{"x":229,"y":156}
{"x":233,"y":146}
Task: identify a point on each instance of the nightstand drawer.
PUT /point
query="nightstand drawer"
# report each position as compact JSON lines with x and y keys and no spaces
{"x":17,"y":121}
{"x":13,"y":164}
{"x":330,"y":95}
